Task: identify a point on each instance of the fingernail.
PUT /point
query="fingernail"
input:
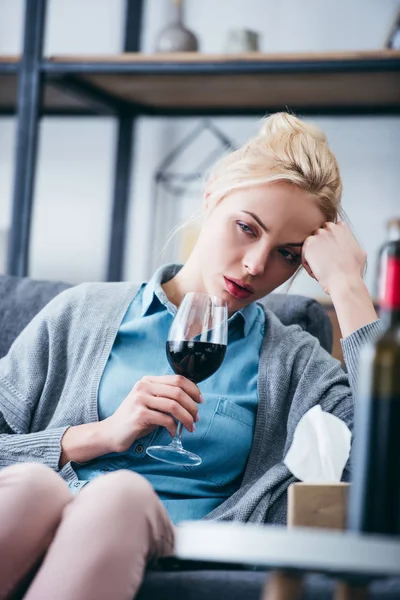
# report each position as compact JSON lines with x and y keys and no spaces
{"x":194,"y":428}
{"x":201,"y":398}
{"x":197,"y":418}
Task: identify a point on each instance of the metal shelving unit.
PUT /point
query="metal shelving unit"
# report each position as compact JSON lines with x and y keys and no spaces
{"x":132,"y":84}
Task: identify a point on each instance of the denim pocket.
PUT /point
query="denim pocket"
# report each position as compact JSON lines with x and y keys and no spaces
{"x":224,"y":444}
{"x":232,"y":410}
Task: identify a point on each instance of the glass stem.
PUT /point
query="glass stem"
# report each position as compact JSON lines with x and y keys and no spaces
{"x":177,"y":439}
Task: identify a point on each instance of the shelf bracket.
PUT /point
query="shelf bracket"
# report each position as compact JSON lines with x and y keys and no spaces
{"x":99,"y":101}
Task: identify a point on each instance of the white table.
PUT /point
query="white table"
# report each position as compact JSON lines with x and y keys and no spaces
{"x":344,"y":555}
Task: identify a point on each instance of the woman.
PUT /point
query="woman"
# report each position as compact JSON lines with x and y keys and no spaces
{"x":86,"y":388}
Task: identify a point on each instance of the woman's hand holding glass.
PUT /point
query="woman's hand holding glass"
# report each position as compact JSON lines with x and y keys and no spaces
{"x":154,"y":401}
{"x":195,"y":349}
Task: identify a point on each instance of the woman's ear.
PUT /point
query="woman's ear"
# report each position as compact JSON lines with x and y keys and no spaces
{"x":206,"y":198}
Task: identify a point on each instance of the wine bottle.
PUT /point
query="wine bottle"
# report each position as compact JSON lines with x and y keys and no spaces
{"x":374,"y":500}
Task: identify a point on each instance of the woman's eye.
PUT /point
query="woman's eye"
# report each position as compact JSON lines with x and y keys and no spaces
{"x":245,"y":228}
{"x":289,"y":257}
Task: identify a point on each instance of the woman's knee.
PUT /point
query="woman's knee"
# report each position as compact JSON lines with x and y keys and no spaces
{"x":34,"y":483}
{"x":121,"y":490}
{"x":125,"y":502}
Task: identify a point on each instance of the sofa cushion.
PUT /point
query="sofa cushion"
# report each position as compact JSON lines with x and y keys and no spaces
{"x":306,"y":312}
{"x":21,"y":298}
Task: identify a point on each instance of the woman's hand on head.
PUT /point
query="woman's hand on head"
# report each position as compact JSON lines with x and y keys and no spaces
{"x":333,"y":256}
{"x":153,"y":401}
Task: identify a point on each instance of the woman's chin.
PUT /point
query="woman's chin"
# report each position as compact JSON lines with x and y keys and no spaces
{"x":233,"y":304}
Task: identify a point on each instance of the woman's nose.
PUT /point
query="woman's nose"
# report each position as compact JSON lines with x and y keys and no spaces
{"x":256,"y":261}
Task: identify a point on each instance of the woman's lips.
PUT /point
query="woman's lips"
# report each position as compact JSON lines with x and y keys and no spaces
{"x":236,"y":291}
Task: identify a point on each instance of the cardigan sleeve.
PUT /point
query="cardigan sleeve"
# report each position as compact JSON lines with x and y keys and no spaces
{"x":351,"y":346}
{"x":23,"y":374}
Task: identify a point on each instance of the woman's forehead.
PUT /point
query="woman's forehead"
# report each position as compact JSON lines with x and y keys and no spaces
{"x":279,"y":203}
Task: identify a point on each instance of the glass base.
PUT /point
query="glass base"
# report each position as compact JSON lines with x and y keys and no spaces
{"x":174,"y":454}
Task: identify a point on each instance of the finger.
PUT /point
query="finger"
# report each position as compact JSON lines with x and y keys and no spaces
{"x":169,"y":406}
{"x":162,"y":420}
{"x":175,"y":393}
{"x":179,"y":381}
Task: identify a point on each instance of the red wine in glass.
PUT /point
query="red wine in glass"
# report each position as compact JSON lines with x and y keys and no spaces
{"x":195,"y":349}
{"x":195,"y":360}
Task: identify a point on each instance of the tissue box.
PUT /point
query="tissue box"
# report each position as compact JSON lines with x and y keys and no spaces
{"x":318,"y":505}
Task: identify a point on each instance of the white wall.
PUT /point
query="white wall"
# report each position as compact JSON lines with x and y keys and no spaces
{"x":74,"y":183}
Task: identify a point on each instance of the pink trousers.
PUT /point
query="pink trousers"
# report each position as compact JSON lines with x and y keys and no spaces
{"x":91,"y":546}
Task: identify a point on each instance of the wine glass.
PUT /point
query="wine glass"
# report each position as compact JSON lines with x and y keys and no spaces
{"x":195,"y":348}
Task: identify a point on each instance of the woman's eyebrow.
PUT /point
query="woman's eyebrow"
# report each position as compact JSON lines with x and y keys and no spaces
{"x":261,"y":224}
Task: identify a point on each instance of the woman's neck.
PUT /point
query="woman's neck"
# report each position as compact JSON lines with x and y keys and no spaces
{"x":186,"y":280}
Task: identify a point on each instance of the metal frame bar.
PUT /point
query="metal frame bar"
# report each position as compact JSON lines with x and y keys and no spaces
{"x":29,"y":100}
{"x":122,"y":179}
{"x":123,"y":158}
{"x":327,"y":111}
{"x":9,"y":68}
{"x":230,"y":67}
{"x":9,"y":111}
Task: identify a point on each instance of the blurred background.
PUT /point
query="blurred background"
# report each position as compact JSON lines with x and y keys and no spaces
{"x":76,"y":155}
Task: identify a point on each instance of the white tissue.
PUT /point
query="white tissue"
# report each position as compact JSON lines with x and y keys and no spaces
{"x":320,"y":448}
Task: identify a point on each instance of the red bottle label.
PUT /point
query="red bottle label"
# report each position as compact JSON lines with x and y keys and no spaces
{"x":390,"y":288}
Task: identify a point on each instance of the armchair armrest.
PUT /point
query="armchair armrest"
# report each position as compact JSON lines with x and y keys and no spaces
{"x":317,"y":505}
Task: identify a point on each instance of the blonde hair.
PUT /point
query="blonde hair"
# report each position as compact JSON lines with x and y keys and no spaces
{"x":286,"y":149}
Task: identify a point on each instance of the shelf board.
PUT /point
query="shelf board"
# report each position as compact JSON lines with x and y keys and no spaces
{"x":194,"y":83}
{"x":193,"y":58}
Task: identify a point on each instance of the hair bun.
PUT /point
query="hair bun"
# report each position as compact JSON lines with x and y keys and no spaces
{"x":283,"y":122}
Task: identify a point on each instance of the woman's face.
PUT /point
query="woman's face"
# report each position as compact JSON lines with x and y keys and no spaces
{"x":251,"y":242}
